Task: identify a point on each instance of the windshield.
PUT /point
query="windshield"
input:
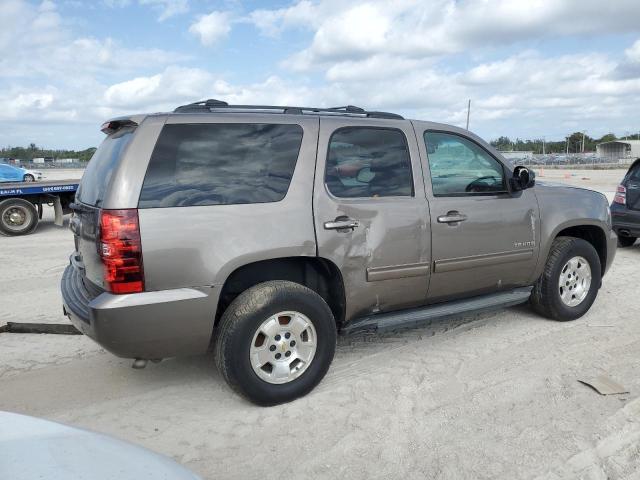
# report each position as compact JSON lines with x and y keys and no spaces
{"x":98,"y":174}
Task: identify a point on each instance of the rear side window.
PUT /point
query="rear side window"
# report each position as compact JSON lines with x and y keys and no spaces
{"x":221,"y":164}
{"x":368,"y":162}
{"x":634,"y":174}
{"x":98,"y":174}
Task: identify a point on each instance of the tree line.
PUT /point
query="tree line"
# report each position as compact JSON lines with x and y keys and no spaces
{"x":573,"y":143}
{"x":33,"y":151}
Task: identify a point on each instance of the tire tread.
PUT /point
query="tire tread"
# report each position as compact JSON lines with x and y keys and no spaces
{"x":543,"y":290}
{"x":245,"y":305}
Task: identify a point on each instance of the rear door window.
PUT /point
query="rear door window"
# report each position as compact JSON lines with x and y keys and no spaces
{"x":221,"y":164}
{"x":98,"y":173}
{"x":368,"y":162}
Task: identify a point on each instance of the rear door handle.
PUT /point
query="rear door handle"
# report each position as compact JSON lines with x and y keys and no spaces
{"x":452,"y":217}
{"x":341,"y":223}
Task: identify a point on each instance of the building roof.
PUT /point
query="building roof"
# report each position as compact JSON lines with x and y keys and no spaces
{"x":628,"y":142}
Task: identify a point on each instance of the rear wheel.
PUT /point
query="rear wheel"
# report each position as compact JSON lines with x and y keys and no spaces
{"x":570,"y":281}
{"x":29,"y":178}
{"x":17,"y":217}
{"x":626,"y":241}
{"x":275,"y":342}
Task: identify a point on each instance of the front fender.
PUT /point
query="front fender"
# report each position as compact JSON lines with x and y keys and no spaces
{"x":562,"y":208}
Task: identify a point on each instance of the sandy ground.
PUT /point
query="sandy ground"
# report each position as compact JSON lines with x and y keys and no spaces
{"x":604,"y":181}
{"x":490,"y":396}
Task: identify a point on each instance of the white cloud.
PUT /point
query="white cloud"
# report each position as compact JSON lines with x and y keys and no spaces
{"x":49,"y":76}
{"x":175,"y":86}
{"x":36,"y":41}
{"x":418,"y":28}
{"x":272,"y":22}
{"x":633,"y":52}
{"x":380,"y":55}
{"x":167,"y":8}
{"x":211,"y":28}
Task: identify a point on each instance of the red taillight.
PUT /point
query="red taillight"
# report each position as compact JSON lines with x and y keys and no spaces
{"x":621,"y":195}
{"x":121,"y":251}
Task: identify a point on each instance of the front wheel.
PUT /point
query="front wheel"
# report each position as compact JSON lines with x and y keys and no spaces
{"x":275,"y":342}
{"x":29,"y":178}
{"x":570,"y":281}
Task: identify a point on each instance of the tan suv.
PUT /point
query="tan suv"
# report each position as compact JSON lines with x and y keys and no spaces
{"x":267,"y":230}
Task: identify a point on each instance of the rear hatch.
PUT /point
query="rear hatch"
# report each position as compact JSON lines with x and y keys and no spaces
{"x":632,"y":184}
{"x":85,"y":222}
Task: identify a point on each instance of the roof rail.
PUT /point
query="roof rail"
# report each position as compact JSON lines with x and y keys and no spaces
{"x":211,"y":105}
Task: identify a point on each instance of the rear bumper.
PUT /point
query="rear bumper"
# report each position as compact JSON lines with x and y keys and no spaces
{"x":626,"y":222}
{"x":149,"y":325}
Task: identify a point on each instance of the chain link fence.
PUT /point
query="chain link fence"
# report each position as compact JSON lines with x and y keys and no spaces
{"x":571,"y":160}
{"x":51,"y":165}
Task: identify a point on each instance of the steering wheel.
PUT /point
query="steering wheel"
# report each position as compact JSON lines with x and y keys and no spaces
{"x":479,"y":185}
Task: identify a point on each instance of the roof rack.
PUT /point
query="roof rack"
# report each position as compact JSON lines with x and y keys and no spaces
{"x":212,"y":105}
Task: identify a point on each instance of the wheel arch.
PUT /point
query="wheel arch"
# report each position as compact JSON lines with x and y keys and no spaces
{"x":590,"y":231}
{"x":319,"y":274}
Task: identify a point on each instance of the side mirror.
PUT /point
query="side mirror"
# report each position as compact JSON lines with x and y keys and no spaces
{"x":365,"y":175}
{"x":522,"y":179}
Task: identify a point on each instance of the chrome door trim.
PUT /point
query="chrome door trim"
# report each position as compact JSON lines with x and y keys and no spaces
{"x":462,"y":263}
{"x":376,"y":274}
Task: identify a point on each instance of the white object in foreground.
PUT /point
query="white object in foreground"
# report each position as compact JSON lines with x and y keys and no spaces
{"x":31,"y":448}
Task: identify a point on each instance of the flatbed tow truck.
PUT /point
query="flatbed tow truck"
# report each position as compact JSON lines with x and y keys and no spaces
{"x":21,"y":204}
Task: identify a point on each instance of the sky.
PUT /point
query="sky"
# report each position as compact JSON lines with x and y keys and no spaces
{"x":532,"y":69}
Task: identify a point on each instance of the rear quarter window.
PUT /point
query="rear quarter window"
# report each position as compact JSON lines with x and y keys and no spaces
{"x":634,"y":173}
{"x":98,"y":173}
{"x":221,"y":164}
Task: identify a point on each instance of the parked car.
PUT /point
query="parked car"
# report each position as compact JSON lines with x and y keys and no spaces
{"x":11,"y":173}
{"x":267,"y":230}
{"x":32,"y":448}
{"x":625,"y":208}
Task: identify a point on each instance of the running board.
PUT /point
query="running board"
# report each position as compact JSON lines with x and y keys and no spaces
{"x":415,"y":316}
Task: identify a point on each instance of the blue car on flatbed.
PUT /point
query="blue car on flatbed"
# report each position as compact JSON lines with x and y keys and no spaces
{"x":13,"y":173}
{"x":21,"y":204}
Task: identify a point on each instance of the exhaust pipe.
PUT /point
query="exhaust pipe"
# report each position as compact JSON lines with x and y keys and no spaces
{"x":139,"y":363}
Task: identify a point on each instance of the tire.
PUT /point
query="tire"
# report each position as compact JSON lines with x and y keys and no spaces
{"x":28,"y":178}
{"x":624,"y":242}
{"x":17,"y":217}
{"x":546,"y":297}
{"x":264,"y":308}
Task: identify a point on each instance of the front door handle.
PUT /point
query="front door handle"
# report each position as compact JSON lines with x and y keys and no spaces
{"x":452,"y":217}
{"x":341,"y":223}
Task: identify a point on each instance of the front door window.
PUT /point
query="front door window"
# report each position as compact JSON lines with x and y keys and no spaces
{"x":460,"y":167}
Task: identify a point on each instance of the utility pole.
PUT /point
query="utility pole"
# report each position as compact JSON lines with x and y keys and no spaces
{"x":468,"y":113}
{"x":583,"y":132}
{"x":543,"y":145}
{"x":567,"y":145}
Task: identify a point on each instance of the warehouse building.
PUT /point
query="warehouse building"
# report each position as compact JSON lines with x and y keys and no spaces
{"x":619,"y":149}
